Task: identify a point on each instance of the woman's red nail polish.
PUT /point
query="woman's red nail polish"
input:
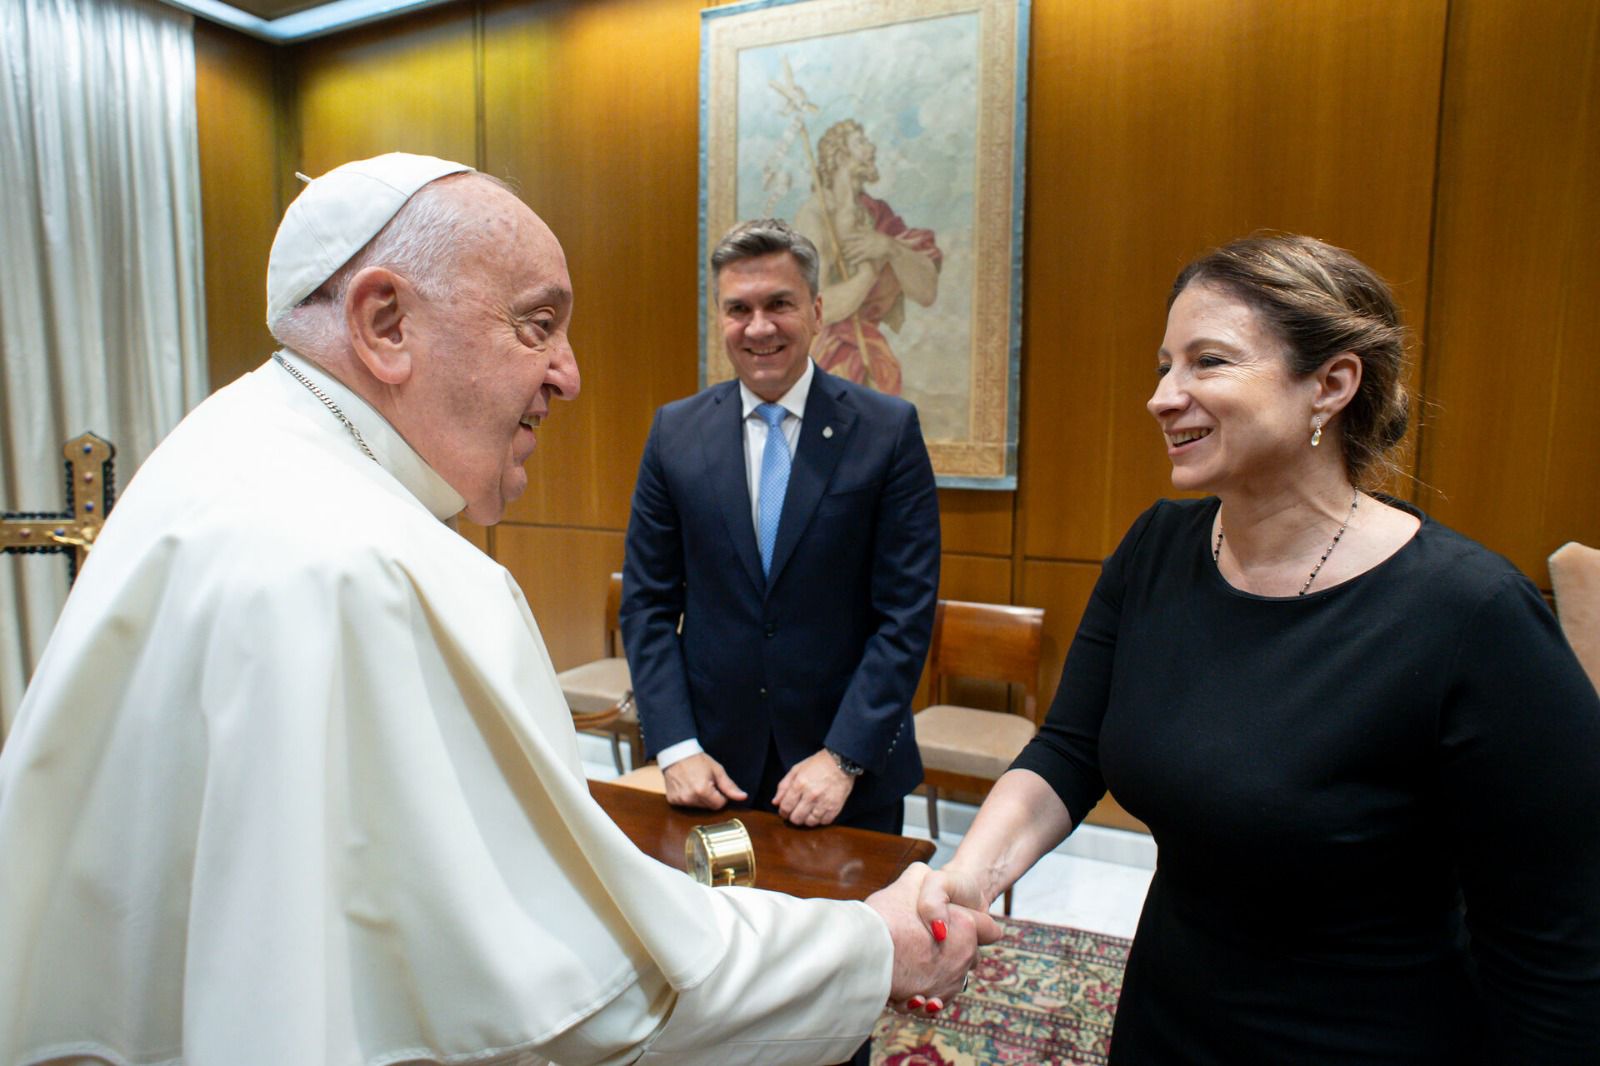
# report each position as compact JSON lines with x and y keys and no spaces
{"x":939,"y":930}
{"x":933,"y":1007}
{"x":915,"y":1002}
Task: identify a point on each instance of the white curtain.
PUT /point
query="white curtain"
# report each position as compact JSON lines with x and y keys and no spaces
{"x":101,"y":302}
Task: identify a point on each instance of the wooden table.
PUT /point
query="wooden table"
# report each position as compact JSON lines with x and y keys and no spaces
{"x":828,"y":863}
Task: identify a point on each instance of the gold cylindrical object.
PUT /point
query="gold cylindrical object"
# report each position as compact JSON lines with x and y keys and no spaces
{"x":720,"y":854}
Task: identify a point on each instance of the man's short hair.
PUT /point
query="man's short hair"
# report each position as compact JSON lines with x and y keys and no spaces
{"x":763,"y":236}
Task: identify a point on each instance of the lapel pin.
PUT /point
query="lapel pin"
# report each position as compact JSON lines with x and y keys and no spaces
{"x":827,"y":431}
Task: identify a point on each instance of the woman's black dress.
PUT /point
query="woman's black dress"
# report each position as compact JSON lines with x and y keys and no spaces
{"x":1377,"y":806}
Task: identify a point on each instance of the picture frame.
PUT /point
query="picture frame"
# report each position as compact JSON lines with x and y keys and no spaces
{"x":892,"y":133}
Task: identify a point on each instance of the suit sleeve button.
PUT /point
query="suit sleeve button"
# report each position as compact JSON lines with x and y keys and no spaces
{"x":771,"y":629}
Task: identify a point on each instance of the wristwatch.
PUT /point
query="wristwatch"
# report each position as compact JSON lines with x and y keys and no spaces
{"x":848,"y":766}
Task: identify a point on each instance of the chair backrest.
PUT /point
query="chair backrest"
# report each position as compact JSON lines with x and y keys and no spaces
{"x":613,"y":611}
{"x":987,"y":642}
{"x":1575,"y":579}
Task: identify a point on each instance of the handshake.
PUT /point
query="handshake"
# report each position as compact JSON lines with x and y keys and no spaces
{"x":937,"y":922}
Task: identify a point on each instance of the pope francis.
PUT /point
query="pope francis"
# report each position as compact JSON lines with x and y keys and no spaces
{"x":294,"y":782}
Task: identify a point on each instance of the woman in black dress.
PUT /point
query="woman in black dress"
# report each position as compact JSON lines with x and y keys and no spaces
{"x":1369,"y":759}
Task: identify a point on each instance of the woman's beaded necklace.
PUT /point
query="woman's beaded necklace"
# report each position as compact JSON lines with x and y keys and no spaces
{"x":1216,"y":550}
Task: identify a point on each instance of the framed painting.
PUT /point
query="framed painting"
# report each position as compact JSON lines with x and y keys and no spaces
{"x":891,"y":133}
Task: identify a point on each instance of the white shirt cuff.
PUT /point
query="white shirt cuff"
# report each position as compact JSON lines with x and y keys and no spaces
{"x":678,"y":752}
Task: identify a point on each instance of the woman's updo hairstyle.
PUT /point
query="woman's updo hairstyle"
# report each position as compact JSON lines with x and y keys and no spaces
{"x":1321,"y":300}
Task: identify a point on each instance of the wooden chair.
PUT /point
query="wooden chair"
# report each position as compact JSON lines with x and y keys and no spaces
{"x":963,"y":747}
{"x":600,"y":693}
{"x":1575,"y":579}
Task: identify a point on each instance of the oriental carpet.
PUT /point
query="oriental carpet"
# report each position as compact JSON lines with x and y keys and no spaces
{"x":1042,"y":994}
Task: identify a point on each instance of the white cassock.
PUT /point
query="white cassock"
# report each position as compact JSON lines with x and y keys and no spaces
{"x":294,"y":783}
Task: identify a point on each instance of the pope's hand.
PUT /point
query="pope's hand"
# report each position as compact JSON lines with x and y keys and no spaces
{"x":813,"y":791}
{"x":924,"y":966}
{"x":700,"y":781}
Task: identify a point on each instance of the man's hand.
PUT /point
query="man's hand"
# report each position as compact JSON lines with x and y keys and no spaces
{"x":700,"y":781}
{"x":926,"y":968}
{"x":813,"y":791}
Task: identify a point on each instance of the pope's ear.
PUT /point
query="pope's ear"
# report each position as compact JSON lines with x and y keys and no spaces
{"x":378,"y":306}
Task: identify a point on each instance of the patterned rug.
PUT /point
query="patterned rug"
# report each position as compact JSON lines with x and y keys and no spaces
{"x":1042,"y":994}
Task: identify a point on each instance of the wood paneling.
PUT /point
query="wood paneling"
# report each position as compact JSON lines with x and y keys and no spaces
{"x":1158,"y":129}
{"x":592,"y":110}
{"x":563,"y":573}
{"x":980,"y":578}
{"x":976,"y":522}
{"x":1516,"y":283}
{"x":409,"y":85}
{"x":237,"y":122}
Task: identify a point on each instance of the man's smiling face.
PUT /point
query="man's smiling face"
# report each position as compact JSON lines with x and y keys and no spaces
{"x":769,"y":319}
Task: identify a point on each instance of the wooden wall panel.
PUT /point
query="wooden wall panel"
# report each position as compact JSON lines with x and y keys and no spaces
{"x":563,"y":573}
{"x":592,"y":110}
{"x":1163,"y":127}
{"x":409,"y":85}
{"x":976,"y":522}
{"x":237,"y":118}
{"x":1516,"y":285}
{"x":980,"y":578}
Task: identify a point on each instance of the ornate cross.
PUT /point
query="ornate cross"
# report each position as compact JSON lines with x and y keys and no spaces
{"x":90,"y":491}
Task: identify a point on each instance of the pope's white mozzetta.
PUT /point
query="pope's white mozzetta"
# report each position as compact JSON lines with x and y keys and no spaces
{"x":295,"y":784}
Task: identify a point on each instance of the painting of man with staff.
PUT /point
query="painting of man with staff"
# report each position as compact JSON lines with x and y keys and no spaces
{"x":871,"y":261}
{"x":889,"y":134}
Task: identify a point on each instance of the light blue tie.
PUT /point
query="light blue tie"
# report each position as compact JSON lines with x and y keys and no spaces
{"x":774,"y":481}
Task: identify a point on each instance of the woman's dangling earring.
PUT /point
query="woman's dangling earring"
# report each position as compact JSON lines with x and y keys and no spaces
{"x":1316,"y":430}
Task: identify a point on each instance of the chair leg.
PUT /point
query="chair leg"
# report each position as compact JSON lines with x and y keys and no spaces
{"x":933,"y":811}
{"x":635,"y":748}
{"x":1006,"y":906}
{"x":616,"y":753}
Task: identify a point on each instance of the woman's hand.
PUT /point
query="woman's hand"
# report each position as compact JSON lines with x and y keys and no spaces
{"x":929,"y":965}
{"x":940,"y":902}
{"x":952,"y":884}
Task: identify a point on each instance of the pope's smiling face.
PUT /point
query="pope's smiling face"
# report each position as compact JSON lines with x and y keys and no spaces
{"x":494,"y":355}
{"x":769,"y":319}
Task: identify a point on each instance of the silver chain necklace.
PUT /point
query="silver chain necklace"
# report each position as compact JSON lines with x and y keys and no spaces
{"x":327,"y":402}
{"x":1216,"y":551}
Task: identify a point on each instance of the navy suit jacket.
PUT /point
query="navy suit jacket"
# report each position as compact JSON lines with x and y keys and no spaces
{"x":827,"y":650}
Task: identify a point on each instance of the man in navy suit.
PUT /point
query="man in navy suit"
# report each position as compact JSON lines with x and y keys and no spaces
{"x":790,"y":520}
